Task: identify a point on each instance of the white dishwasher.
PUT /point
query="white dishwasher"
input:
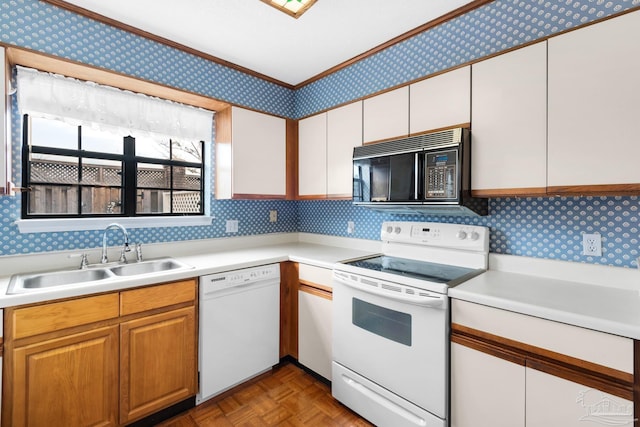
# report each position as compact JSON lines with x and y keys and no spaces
{"x":239,"y":327}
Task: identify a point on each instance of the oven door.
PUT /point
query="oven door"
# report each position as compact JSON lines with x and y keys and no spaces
{"x":394,"y":336}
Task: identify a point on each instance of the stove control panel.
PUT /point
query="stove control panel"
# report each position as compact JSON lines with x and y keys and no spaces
{"x":455,"y":236}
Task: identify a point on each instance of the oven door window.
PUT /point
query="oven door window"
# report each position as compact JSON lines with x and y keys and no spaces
{"x":390,"y":324}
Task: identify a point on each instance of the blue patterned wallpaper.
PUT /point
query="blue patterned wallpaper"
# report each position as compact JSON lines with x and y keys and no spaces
{"x":538,"y":227}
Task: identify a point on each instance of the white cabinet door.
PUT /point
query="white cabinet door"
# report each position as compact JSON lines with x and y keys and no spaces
{"x":344,"y":132}
{"x":386,"y":116}
{"x":259,"y":153}
{"x":553,"y":401}
{"x":509,"y":121}
{"x":312,"y":156}
{"x":486,"y":391}
{"x":593,"y":104}
{"x":315,"y":333}
{"x":440,"y":101}
{"x":4,"y":142}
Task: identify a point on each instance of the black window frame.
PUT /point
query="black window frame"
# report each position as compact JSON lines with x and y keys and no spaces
{"x":129,"y":185}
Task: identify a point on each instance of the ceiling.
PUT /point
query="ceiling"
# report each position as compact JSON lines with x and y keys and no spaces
{"x":254,"y":35}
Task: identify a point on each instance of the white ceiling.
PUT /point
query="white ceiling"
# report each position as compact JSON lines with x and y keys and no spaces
{"x":256,"y":36}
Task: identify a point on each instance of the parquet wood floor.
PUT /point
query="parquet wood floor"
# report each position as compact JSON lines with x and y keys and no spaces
{"x":288,"y":396}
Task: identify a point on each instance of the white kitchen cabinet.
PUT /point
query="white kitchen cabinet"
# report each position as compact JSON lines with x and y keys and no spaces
{"x":251,"y":155}
{"x":315,"y":326}
{"x":509,"y":123}
{"x":344,"y":132}
{"x":476,"y":400}
{"x":593,"y":105}
{"x":441,"y":101}
{"x":386,"y":116}
{"x":312,"y":156}
{"x":325,"y":152}
{"x":4,"y":139}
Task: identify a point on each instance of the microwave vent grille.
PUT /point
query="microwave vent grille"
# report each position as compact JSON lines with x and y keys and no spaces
{"x":429,"y":141}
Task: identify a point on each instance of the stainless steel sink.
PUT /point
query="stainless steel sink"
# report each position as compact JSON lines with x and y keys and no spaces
{"x":148,"y":267}
{"x":25,"y":283}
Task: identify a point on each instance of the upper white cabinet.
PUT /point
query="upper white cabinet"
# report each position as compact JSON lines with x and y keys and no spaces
{"x":251,"y":154}
{"x":325,"y":151}
{"x":594,"y":87}
{"x":312,"y":156}
{"x":440,"y":101}
{"x":344,"y":132}
{"x":4,"y":139}
{"x":509,"y":123}
{"x":386,"y":116}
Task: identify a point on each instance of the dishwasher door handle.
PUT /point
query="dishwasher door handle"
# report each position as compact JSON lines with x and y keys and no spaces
{"x":236,"y":287}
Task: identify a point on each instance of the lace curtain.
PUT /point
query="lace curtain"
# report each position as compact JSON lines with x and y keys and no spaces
{"x":78,"y":102}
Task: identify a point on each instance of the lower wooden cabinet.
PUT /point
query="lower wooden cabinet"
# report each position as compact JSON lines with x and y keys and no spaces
{"x":100,"y":360}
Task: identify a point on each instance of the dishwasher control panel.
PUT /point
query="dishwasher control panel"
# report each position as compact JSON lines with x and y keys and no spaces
{"x":238,"y":277}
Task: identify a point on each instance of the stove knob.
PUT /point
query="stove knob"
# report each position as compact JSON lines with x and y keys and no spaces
{"x":474,"y":235}
{"x":461,"y":235}
{"x":398,"y":230}
{"x":389,"y":229}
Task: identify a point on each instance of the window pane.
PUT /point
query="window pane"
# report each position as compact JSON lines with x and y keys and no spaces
{"x":387,"y":323}
{"x":187,"y":151}
{"x":101,"y":200}
{"x":101,"y":172}
{"x":154,"y":147}
{"x":53,"y":133}
{"x":53,"y":199}
{"x":186,"y":202}
{"x":154,"y":176}
{"x":102,"y":141}
{"x":153,"y":201}
{"x":186,"y":178}
{"x":54,"y":169}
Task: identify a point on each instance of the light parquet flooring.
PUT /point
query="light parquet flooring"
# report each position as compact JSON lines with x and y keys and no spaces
{"x":286,"y":397}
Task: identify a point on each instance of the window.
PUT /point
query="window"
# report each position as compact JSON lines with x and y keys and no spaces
{"x":97,"y":151}
{"x":77,"y":171}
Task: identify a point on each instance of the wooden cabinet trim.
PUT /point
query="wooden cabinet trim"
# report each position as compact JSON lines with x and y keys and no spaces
{"x":594,"y":190}
{"x":316,"y":289}
{"x":55,"y":316}
{"x":590,"y":374}
{"x":157,"y":296}
{"x":289,"y":309}
{"x":240,"y":196}
{"x":511,"y":192}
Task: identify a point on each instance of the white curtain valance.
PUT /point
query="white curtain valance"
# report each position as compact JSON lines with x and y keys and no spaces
{"x":79,"y":102}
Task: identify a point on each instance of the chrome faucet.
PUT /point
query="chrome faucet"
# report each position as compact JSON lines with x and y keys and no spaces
{"x":125,"y":247}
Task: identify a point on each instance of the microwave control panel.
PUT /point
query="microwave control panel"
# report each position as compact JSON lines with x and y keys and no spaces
{"x":441,"y":174}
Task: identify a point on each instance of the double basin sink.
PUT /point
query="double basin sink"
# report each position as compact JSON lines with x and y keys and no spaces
{"x":22,"y":283}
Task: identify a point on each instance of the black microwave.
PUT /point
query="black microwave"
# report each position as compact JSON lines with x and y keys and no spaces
{"x":428,"y":174}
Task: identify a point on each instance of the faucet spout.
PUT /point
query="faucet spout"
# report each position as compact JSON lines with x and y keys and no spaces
{"x":125,"y":247}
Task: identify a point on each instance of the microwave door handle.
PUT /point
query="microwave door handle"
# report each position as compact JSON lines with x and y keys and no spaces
{"x":425,"y":301}
{"x":416,"y":176}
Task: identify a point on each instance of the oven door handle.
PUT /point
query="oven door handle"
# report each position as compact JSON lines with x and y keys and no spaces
{"x":425,"y":300}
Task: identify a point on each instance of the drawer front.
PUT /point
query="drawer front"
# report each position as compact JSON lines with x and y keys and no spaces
{"x":29,"y":321}
{"x":152,"y":297}
{"x":597,"y":347}
{"x":313,"y":275}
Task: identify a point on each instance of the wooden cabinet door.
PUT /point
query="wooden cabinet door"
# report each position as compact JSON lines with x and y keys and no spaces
{"x":70,"y":381}
{"x":441,"y":101}
{"x":554,"y":401}
{"x":315,"y":327}
{"x":509,"y":128}
{"x":312,"y":156}
{"x":486,"y":390}
{"x":344,"y":132}
{"x":258,"y":154}
{"x":158,"y":362}
{"x":593,"y":106}
{"x":386,"y":116}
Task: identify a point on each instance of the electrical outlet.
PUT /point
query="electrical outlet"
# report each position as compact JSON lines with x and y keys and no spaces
{"x":591,"y":244}
{"x":232,"y":226}
{"x":273,"y":216}
{"x":351,"y":226}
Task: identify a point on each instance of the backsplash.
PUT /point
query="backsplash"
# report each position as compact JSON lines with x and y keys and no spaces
{"x":536,"y":227}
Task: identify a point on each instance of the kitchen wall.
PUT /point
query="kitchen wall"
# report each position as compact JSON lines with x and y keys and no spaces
{"x":538,"y":227}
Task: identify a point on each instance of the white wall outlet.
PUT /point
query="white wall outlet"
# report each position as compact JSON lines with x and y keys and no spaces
{"x":232,"y":226}
{"x":273,"y":216}
{"x":592,"y":244}
{"x":351,"y":226}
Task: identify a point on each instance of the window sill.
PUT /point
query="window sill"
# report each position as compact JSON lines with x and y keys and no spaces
{"x":81,"y":224}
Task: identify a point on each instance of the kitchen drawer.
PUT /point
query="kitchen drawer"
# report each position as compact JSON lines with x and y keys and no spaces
{"x":29,"y":321}
{"x":318,"y":276}
{"x":593,"y":346}
{"x":151,"y":297}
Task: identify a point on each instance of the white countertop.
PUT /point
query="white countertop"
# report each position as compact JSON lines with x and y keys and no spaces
{"x":547,"y":290}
